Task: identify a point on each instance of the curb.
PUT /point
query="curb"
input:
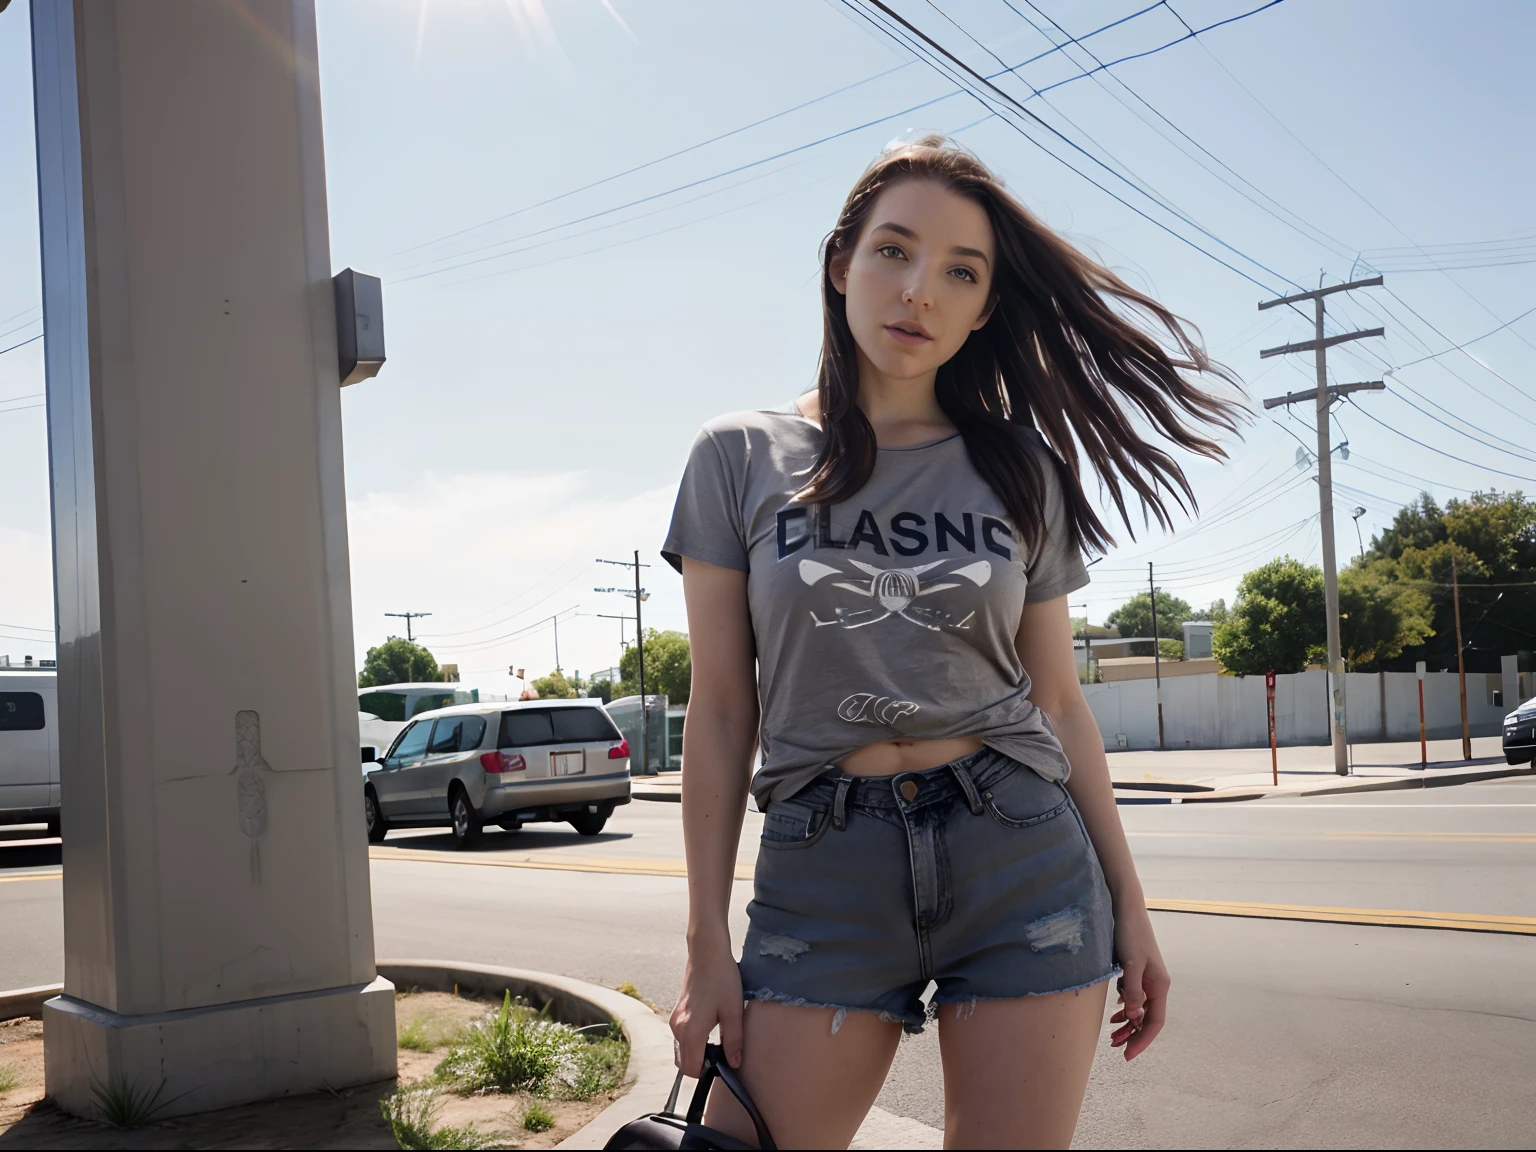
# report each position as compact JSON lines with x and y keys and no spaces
{"x":651,"y":1070}
{"x":1425,"y":781}
{"x":21,"y":1003}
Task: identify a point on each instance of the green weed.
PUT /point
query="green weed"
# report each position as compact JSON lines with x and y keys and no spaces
{"x":537,"y":1118}
{"x":411,"y":1114}
{"x":414,"y":1037}
{"x":9,"y":1077}
{"x":516,"y":1049}
{"x":125,"y":1105}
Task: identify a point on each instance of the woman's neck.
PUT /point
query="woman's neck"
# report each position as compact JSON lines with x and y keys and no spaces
{"x":903,"y":413}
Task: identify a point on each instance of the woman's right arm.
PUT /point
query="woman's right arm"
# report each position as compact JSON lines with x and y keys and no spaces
{"x":719,"y":737}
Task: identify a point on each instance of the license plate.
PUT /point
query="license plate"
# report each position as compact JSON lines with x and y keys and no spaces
{"x":569,"y":763}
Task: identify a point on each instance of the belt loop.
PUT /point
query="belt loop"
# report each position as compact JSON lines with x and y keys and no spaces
{"x":968,"y":786}
{"x":840,"y":804}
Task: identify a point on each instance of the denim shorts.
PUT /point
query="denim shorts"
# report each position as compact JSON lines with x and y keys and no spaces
{"x":977,"y":875}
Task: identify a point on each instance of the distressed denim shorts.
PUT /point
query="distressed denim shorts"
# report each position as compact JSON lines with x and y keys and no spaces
{"x":977,"y":875}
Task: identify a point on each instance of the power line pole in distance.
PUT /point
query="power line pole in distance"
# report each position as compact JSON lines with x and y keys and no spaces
{"x":1324,"y":396}
{"x":1461,"y":658}
{"x":408,"y":617}
{"x":640,"y":594}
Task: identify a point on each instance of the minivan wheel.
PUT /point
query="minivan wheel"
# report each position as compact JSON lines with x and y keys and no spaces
{"x":378,"y":827}
{"x":466,"y":821}
{"x":589,"y":823}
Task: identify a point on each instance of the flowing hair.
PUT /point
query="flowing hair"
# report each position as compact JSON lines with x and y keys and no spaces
{"x":1069,"y":349}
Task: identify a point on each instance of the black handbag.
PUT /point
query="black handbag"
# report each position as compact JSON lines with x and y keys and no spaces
{"x":669,"y":1130}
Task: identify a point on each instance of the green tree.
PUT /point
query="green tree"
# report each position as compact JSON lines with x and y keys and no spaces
{"x":555,"y":686}
{"x":1277,"y":621}
{"x":1379,"y":616}
{"x":601,"y":690}
{"x":1215,"y":612}
{"x":668,"y":667}
{"x":398,"y":661}
{"x":1134,"y":617}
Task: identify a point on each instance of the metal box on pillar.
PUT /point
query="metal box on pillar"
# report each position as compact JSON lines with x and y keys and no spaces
{"x":218,"y":928}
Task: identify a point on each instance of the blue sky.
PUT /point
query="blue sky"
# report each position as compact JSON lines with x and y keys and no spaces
{"x":547,"y":375}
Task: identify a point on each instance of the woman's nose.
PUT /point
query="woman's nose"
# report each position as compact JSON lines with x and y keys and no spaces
{"x":917,"y":293}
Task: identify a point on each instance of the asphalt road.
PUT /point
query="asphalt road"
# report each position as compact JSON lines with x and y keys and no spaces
{"x":1281,"y":1033}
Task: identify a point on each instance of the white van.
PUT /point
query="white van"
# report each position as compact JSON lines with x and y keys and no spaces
{"x":29,"y":747}
{"x":384,"y":710}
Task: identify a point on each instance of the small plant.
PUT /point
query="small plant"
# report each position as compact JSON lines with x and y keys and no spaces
{"x":414,"y":1037}
{"x":9,"y":1077}
{"x":411,"y":1114}
{"x":513,"y":1049}
{"x":125,"y":1105}
{"x":537,"y":1118}
{"x":628,"y":989}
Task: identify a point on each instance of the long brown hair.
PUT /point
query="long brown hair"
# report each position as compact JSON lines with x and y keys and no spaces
{"x":1069,"y":347}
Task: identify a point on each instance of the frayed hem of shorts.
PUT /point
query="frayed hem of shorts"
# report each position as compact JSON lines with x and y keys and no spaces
{"x":969,"y":1002}
{"x":839,"y":1011}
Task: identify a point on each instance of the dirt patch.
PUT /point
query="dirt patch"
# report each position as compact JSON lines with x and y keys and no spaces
{"x":430,"y":1021}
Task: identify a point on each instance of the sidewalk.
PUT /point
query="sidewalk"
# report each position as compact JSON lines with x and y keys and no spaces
{"x":1244,"y":773}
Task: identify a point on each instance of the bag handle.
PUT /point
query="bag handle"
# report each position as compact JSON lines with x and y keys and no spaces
{"x":715,"y":1064}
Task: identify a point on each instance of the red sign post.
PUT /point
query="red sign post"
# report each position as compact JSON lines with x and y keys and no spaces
{"x":1274,"y":755}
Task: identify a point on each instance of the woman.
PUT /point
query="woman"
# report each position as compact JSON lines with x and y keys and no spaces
{"x":877,"y":582}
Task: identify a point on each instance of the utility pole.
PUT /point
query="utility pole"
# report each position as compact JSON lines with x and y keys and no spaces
{"x":555,"y":620}
{"x":1087,"y":647}
{"x":1461,"y":659}
{"x":1157,"y":656}
{"x":408,"y":617}
{"x":622,"y":621}
{"x":639,"y":594}
{"x":1324,"y":395}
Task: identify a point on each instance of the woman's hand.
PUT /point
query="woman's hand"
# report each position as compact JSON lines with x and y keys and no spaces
{"x":1144,"y":987}
{"x":711,"y":995}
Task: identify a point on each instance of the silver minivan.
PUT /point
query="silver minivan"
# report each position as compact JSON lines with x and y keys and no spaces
{"x":29,"y":747}
{"x":509,"y":764}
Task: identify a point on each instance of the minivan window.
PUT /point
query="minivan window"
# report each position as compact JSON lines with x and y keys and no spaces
{"x":584,"y":725}
{"x":445,"y":737}
{"x":524,"y":727}
{"x":412,"y":742}
{"x":21,"y":711}
{"x":473,"y":733}
{"x":384,"y":705}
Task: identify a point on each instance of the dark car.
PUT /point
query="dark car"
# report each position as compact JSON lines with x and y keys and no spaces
{"x":1520,"y":733}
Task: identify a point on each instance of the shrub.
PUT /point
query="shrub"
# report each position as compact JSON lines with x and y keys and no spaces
{"x":412,"y":1114}
{"x":537,"y":1118}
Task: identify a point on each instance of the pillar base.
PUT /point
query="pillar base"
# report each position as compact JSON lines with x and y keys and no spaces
{"x":200,"y":1059}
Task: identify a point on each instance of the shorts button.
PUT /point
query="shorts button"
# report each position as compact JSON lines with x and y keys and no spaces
{"x":909,"y":790}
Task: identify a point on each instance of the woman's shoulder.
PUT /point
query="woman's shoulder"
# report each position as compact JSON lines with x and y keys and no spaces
{"x":740,"y":431}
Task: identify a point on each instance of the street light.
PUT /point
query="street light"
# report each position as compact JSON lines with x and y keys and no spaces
{"x":1355,"y":516}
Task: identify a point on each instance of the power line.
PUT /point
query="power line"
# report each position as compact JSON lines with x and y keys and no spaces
{"x":953,"y":62}
{"x":737,"y":131}
{"x":1462,"y":347}
{"x":1438,"y":452}
{"x":23,"y":344}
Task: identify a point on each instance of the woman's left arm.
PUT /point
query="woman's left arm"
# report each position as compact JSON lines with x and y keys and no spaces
{"x":1045,"y":645}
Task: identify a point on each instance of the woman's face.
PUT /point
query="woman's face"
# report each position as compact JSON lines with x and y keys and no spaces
{"x":919,"y":279}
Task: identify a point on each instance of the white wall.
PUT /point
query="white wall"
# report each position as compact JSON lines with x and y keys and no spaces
{"x":1229,"y":711}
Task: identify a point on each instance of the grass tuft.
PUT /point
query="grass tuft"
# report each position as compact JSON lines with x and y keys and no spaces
{"x":537,"y":1118}
{"x":125,"y":1105}
{"x":412,"y":1117}
{"x":516,"y":1049}
{"x":9,"y":1077}
{"x":414,"y":1038}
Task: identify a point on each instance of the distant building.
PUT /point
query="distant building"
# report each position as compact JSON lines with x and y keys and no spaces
{"x":1197,"y":639}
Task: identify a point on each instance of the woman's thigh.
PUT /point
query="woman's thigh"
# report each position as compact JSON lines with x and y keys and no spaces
{"x":1015,"y":1070}
{"x":813,"y":1086}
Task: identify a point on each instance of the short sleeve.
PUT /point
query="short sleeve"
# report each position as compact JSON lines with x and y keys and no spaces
{"x":1056,"y":565}
{"x":707,"y":519}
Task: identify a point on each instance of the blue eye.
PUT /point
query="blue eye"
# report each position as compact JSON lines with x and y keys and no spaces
{"x":892,"y":251}
{"x":964,"y":274}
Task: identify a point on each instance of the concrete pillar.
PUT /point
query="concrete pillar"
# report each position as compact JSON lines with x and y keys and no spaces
{"x":1509,"y":666}
{"x":217,"y":923}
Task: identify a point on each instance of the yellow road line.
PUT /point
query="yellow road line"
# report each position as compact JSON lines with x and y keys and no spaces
{"x":616,"y":865}
{"x":33,"y":876}
{"x":1381,"y":917}
{"x":1450,"y":837}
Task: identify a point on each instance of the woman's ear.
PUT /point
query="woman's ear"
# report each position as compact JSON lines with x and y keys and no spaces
{"x":837,"y":268}
{"x":986,"y":314}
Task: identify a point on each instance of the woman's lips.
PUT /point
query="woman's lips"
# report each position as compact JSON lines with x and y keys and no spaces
{"x":908,"y":336}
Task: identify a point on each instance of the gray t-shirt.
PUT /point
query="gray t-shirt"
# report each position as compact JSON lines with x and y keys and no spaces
{"x":897,"y":616}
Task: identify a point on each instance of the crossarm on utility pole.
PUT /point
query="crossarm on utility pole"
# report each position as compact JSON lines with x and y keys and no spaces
{"x":1334,"y":390}
{"x":1318,"y":294}
{"x":1313,"y":345}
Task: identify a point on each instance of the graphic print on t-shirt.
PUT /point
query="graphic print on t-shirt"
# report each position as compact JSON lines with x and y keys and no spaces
{"x":895,"y":592}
